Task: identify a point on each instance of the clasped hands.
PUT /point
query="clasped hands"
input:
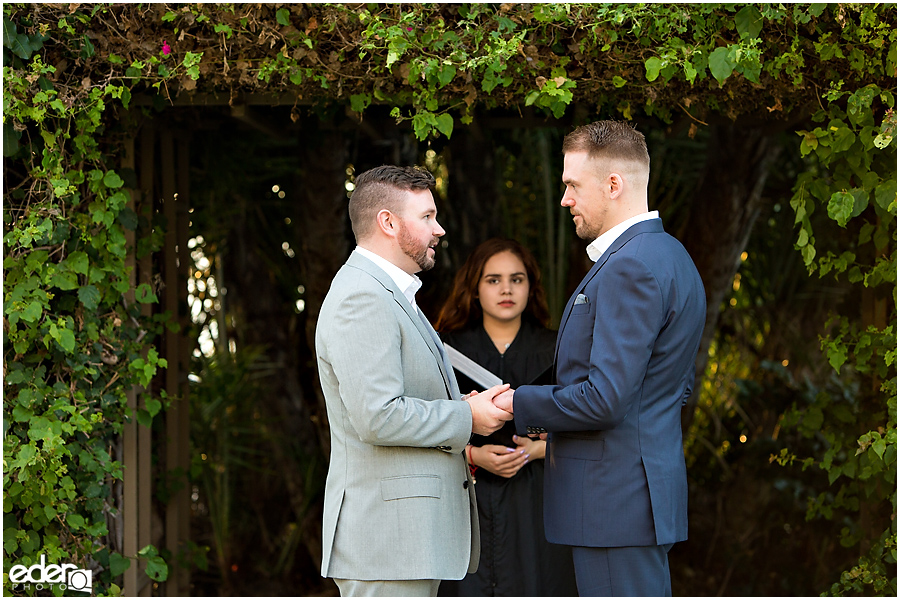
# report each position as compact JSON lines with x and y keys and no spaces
{"x":490,"y":409}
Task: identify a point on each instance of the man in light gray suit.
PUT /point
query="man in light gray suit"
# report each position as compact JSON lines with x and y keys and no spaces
{"x":400,"y":511}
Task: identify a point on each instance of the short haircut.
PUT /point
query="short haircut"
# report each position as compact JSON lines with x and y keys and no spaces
{"x":615,"y":140}
{"x":379,"y":189}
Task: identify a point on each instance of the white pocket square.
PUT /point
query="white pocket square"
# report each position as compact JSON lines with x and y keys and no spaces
{"x":581,"y":299}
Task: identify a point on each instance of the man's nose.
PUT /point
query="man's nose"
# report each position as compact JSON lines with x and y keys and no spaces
{"x":567,"y":201}
{"x":438,"y":230}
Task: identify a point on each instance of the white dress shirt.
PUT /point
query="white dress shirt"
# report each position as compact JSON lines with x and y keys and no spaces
{"x":596,"y":248}
{"x":408,"y":284}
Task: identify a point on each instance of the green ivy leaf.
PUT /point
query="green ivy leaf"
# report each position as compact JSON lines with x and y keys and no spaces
{"x":153,"y":406}
{"x":89,"y":296}
{"x":446,"y":75}
{"x":128,"y":219}
{"x":118,"y":564}
{"x":64,"y":280}
{"x":10,"y":544}
{"x":32,"y":311}
{"x":157,"y":569}
{"x":144,"y":294}
{"x":837,"y":356}
{"x":886,"y":195}
{"x":879,"y":447}
{"x":18,"y":43}
{"x":445,"y":124}
{"x":9,"y":32}
{"x":75,"y":521}
{"x":882,"y":141}
{"x":619,"y":82}
{"x":112,"y":180}
{"x":813,"y":419}
{"x":283,"y":16}
{"x":721,"y":65}
{"x":842,"y":140}
{"x":860,"y":201}
{"x":30,"y":543}
{"x":652,"y":66}
{"x":78,"y":262}
{"x":10,"y":140}
{"x":749,"y":22}
{"x":223,"y":28}
{"x":64,"y":336}
{"x":840,"y":207}
{"x":143,"y":417}
{"x":359,"y":102}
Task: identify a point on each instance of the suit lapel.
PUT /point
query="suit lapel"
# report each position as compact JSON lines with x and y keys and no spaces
{"x":649,"y":226}
{"x":428,"y":334}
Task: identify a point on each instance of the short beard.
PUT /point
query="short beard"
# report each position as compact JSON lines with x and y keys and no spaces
{"x":585,"y":232}
{"x":411,"y":248}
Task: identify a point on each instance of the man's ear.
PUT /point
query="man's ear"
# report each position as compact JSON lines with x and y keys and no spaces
{"x":616,"y":184}
{"x":386,"y":222}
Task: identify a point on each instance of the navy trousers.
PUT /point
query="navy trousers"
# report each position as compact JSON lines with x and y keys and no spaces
{"x":630,"y":571}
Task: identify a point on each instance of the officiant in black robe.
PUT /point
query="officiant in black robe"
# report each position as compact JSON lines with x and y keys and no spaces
{"x":516,"y":558}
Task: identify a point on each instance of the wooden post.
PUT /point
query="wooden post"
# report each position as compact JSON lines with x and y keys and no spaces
{"x":186,"y":346}
{"x":170,"y":304}
{"x":145,"y":434}
{"x":177,"y":416}
{"x":130,"y":435}
{"x":137,"y":506}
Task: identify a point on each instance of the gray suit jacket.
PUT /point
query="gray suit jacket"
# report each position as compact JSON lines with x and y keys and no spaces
{"x":399,"y":500}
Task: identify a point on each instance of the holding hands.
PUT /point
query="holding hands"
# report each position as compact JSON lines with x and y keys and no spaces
{"x":486,"y":416}
{"x":504,"y":400}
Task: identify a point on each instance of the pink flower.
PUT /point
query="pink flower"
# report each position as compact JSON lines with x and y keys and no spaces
{"x":409,"y":28}
{"x":166,"y":49}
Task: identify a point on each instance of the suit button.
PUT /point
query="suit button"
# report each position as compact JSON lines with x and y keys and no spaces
{"x":466,"y":484}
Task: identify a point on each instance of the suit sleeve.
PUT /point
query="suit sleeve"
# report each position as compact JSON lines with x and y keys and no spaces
{"x":612,"y":346}
{"x":364,"y":352}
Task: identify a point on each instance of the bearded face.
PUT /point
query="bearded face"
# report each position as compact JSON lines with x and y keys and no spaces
{"x":419,"y":249}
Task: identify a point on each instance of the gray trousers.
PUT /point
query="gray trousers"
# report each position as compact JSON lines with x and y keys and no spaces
{"x":412,"y":587}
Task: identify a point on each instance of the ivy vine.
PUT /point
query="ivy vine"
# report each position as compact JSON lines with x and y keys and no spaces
{"x":74,"y":342}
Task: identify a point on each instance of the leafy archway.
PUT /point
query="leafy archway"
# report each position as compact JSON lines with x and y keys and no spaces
{"x":738,"y":76}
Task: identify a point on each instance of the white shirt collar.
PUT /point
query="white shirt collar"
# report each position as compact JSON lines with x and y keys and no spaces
{"x":596,"y":248}
{"x":408,"y":284}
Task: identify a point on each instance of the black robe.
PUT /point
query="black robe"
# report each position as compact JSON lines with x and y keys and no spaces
{"x":516,"y":558}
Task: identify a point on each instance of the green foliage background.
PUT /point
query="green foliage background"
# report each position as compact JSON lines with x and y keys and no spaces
{"x":74,"y":340}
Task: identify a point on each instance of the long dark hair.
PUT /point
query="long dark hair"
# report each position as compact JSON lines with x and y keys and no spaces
{"x":462,"y":309}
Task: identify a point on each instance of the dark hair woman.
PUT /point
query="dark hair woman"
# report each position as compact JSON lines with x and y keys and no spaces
{"x":497,"y":316}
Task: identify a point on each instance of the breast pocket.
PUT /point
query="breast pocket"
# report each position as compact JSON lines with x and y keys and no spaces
{"x":411,"y":486}
{"x":581,"y":309}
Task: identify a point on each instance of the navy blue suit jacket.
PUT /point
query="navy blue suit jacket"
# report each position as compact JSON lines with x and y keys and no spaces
{"x":614,"y":471}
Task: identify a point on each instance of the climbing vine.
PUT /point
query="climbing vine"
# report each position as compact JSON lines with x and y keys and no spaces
{"x":74,"y":340}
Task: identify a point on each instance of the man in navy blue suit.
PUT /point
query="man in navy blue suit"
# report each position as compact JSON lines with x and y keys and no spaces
{"x":615,"y":478}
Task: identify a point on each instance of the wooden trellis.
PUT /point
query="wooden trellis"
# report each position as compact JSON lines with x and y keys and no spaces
{"x":162,"y":165}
